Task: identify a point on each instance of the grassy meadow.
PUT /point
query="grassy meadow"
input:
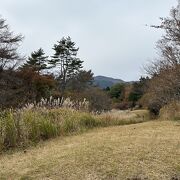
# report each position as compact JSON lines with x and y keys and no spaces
{"x":69,"y":144}
{"x":149,"y":150}
{"x":59,"y":121}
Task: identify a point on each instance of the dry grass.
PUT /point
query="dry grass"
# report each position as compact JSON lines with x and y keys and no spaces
{"x":127,"y":115}
{"x":22,"y":128}
{"x":116,"y":117}
{"x":147,"y":150}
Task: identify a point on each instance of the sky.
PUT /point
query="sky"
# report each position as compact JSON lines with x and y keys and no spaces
{"x":112,"y":35}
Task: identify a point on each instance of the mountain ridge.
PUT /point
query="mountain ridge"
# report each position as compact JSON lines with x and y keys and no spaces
{"x":104,"y":81}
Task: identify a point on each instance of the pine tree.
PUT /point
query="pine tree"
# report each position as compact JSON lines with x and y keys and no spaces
{"x":9,"y":44}
{"x":65,"y":61}
{"x":37,"y":61}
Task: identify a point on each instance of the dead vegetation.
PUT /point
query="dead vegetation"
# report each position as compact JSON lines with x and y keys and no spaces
{"x":149,"y":150}
{"x":22,"y":128}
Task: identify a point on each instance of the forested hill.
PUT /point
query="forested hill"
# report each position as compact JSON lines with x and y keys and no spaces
{"x":104,"y":82}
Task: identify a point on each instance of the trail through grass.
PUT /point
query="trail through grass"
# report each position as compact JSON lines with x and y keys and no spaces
{"x":147,"y":150}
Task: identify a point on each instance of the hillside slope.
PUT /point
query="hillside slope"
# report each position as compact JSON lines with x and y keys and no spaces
{"x":148,"y":150}
{"x":104,"y":82}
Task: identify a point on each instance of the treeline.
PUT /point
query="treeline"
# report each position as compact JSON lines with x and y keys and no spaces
{"x":161,"y":87}
{"x":164,"y":86}
{"x":127,"y":95}
{"x":59,"y":76}
{"x":62,"y":76}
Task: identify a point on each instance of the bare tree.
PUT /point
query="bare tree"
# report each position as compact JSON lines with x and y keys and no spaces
{"x":164,"y":86}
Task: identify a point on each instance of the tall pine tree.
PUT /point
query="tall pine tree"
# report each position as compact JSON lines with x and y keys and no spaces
{"x":65,"y":61}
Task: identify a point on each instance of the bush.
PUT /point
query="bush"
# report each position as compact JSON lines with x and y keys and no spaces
{"x":151,"y":103}
{"x":154,"y":109}
{"x":98,"y":100}
{"x":122,"y":105}
{"x":170,"y":111}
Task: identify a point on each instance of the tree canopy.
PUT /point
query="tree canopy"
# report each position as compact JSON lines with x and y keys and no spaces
{"x":37,"y":61}
{"x":9,"y":43}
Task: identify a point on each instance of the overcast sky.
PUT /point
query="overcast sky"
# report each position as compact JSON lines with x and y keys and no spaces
{"x":111,"y":34}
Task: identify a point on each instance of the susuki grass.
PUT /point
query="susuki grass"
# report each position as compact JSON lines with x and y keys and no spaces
{"x":25,"y":127}
{"x":115,"y":117}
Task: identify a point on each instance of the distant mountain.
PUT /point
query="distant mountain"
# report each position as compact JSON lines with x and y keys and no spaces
{"x":104,"y":82}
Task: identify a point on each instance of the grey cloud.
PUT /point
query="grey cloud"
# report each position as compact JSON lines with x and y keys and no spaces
{"x":111,"y":34}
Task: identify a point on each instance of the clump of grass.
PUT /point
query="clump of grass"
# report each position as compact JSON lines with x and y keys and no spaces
{"x":88,"y":121}
{"x":123,"y":117}
{"x":29,"y":126}
{"x":9,"y":130}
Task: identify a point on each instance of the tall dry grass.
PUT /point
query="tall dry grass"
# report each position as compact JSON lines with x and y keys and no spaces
{"x":116,"y":117}
{"x":22,"y":128}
